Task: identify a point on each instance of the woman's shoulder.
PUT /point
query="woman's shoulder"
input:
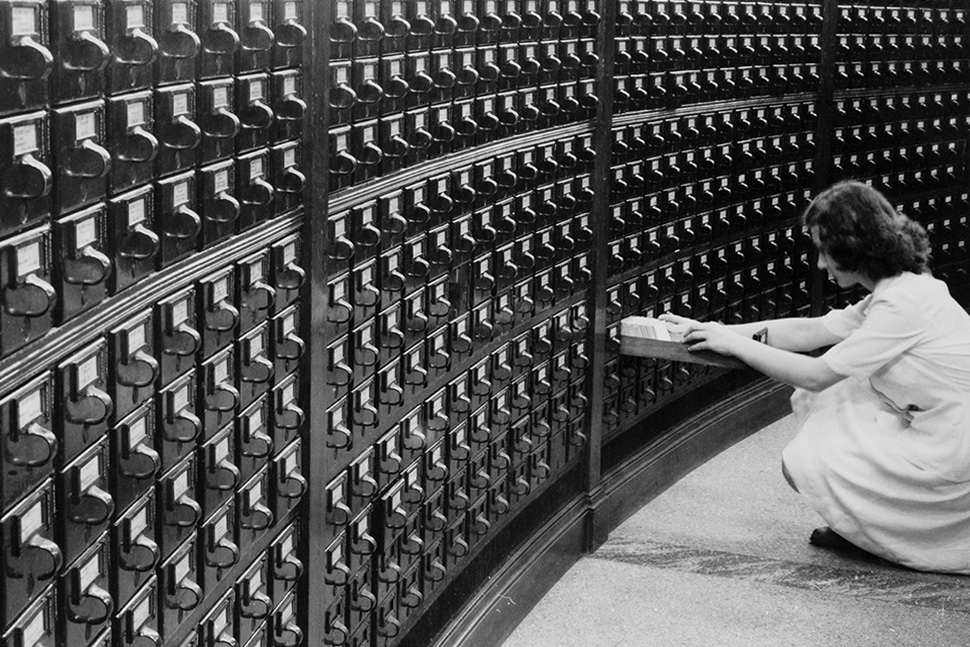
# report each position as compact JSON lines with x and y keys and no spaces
{"x":911,"y":290}
{"x":909,"y":285}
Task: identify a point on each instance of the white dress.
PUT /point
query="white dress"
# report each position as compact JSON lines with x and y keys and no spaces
{"x":884,"y":455}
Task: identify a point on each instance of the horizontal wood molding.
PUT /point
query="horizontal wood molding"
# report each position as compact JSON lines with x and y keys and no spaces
{"x":62,"y":340}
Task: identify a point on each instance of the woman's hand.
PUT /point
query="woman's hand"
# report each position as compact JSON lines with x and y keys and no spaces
{"x":710,"y":336}
{"x":676,"y":324}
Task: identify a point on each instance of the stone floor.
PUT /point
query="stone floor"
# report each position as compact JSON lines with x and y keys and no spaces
{"x":722,"y":558}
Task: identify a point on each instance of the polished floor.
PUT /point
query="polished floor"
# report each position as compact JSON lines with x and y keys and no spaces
{"x":722,"y":559}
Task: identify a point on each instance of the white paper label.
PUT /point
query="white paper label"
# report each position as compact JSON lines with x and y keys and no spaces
{"x":221,"y":181}
{"x":29,"y":408}
{"x":85,"y":126}
{"x":24,"y":139}
{"x":289,"y":85}
{"x":180,"y":485}
{"x":286,"y":614}
{"x":83,"y":18}
{"x":341,"y":75}
{"x":220,"y":12}
{"x":256,"y":168}
{"x":141,"y":613}
{"x":256,"y":492}
{"x":180,"y":312}
{"x":182,"y":568}
{"x":136,"y":338}
{"x":289,"y":158}
{"x":221,"y":371}
{"x":181,"y":398}
{"x":220,"y":622}
{"x":286,"y":546}
{"x":257,"y":12}
{"x":23,"y":21}
{"x":255,"y":581}
{"x":137,"y":432}
{"x":87,"y":372}
{"x":90,"y":473}
{"x":220,"y":97}
{"x":288,"y":394}
{"x":220,"y":289}
{"x":180,"y":104}
{"x":86,"y":233}
{"x":135,"y":15}
{"x":138,"y":522}
{"x":32,"y":521}
{"x":90,"y":572}
{"x":180,"y":12}
{"x":289,"y":324}
{"x":290,"y":11}
{"x":222,"y":450}
{"x":136,"y":114}
{"x":256,"y":419}
{"x":180,"y":193}
{"x":255,"y":90}
{"x":289,"y":253}
{"x":255,"y":346}
{"x":136,"y":212}
{"x":34,"y":630}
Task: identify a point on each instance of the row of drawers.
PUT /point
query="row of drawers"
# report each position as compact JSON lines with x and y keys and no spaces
{"x":366,"y":89}
{"x":401,"y":26}
{"x":651,"y":54}
{"x":360,"y":28}
{"x":374,"y":148}
{"x":82,"y":607}
{"x":642,"y":54}
{"x":221,"y":517}
{"x":391,"y":358}
{"x":406,"y":468}
{"x":903,"y":18}
{"x":451,"y":380}
{"x":902,"y":107}
{"x":886,"y":75}
{"x":48,"y":280}
{"x":473,"y":220}
{"x":58,"y":52}
{"x":76,"y":155}
{"x":366,"y":27}
{"x":391,"y":557}
{"x":51,"y":421}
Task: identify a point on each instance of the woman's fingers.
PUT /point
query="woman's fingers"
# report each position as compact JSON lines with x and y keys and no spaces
{"x":693,"y":336}
{"x":677,"y":319}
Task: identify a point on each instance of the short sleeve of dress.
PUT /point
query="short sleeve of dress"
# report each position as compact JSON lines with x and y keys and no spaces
{"x":889,"y":327}
{"x":842,"y":322}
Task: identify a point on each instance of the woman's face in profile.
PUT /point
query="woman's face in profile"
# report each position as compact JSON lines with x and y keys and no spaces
{"x":843,"y":278}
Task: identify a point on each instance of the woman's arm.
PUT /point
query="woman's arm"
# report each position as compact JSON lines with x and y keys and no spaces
{"x":799,"y":334}
{"x":783,"y":365}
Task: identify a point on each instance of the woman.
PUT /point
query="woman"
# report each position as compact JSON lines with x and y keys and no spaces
{"x":883,"y":453}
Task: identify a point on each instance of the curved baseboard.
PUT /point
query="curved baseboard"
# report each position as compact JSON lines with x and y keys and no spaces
{"x":507,"y":594}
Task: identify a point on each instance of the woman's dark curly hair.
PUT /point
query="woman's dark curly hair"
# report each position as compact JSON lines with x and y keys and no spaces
{"x":862,"y":232}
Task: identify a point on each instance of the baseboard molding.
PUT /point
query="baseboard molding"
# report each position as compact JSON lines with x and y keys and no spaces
{"x":644,"y":475}
{"x":523,"y":580}
{"x":538,"y":563}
